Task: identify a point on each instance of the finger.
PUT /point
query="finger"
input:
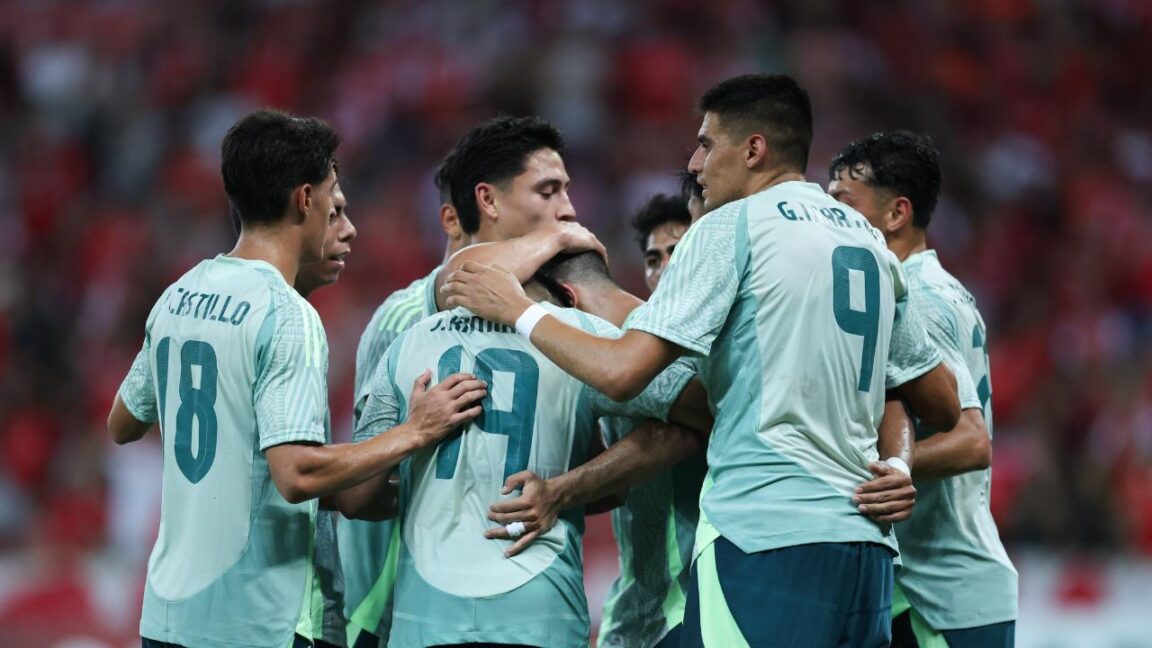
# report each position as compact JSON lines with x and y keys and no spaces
{"x":886,"y":508}
{"x":469,"y":397}
{"x":893,"y":495}
{"x":465,"y":416}
{"x":421,"y":383}
{"x":880,"y":469}
{"x":452,"y":380}
{"x":469,"y":383}
{"x":895,"y":517}
{"x":521,"y":544}
{"x":890,"y":482}
{"x":516,"y":515}
{"x":516,"y":481}
{"x":471,"y":268}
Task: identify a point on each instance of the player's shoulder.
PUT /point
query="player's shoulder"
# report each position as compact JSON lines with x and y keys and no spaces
{"x":403,"y":307}
{"x":927,"y":274}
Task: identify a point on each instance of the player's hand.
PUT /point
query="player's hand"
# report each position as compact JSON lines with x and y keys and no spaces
{"x":488,"y":291}
{"x":537,"y":507}
{"x":889,"y":497}
{"x":435,"y":412}
{"x":574,"y":237}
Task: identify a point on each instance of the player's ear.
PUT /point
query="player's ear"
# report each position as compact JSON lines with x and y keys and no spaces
{"x":900,"y":214}
{"x":301,"y":201}
{"x":571,"y":295}
{"x":486,"y":200}
{"x":450,"y":221}
{"x":755,"y":150}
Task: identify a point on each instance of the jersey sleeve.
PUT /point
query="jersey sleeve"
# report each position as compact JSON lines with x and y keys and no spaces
{"x":911,"y":353}
{"x":138,"y":391}
{"x":700,"y":285}
{"x":943,"y":330}
{"x":383,"y":401}
{"x":291,"y":390}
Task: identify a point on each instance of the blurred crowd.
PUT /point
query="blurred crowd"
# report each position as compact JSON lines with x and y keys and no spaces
{"x":112,"y":112}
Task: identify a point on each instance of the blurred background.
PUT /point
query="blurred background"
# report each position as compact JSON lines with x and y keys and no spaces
{"x":112,"y":112}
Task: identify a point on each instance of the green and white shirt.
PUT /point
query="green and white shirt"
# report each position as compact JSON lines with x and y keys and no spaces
{"x":655,"y":530}
{"x":797,"y":307}
{"x":955,"y":571}
{"x":453,"y":585}
{"x":234,"y":362}
{"x":369,"y":549}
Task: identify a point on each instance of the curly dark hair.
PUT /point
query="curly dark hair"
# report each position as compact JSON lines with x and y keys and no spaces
{"x":902,"y":162}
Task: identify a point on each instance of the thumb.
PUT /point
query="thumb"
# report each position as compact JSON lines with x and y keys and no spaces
{"x":879,"y":468}
{"x":421,"y":384}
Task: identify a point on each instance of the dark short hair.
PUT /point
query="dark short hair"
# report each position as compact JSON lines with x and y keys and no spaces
{"x":493,"y":152}
{"x":269,"y":153}
{"x":580,"y":268}
{"x":443,"y":190}
{"x":660,"y":209}
{"x":773,"y":105}
{"x":689,"y":187}
{"x":903,"y":162}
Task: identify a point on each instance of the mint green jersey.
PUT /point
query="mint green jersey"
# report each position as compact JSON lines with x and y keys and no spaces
{"x":955,"y":571}
{"x":365,"y":547}
{"x":655,"y":530}
{"x":234,"y":362}
{"x":453,"y":585}
{"x":798,"y":310}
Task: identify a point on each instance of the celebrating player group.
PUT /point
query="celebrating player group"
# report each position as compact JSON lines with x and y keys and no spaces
{"x":792,"y":434}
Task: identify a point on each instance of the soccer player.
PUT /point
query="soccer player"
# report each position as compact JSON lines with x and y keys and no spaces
{"x":233,"y":368}
{"x":503,"y":187}
{"x":893,"y":179}
{"x":453,"y":586}
{"x":659,"y":225}
{"x":796,"y":307}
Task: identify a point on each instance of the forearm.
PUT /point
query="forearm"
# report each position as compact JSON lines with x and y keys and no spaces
{"x":932,"y":397}
{"x":373,"y":499}
{"x":647,"y":451}
{"x":619,"y":368}
{"x":122,"y":426}
{"x":896,"y":434}
{"x":965,"y":449}
{"x":522,"y":256}
{"x":303,"y":472}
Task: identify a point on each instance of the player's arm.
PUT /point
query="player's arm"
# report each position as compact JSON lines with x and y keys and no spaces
{"x":966,"y":448}
{"x":890,"y":495}
{"x":619,"y":368}
{"x":523,"y":255}
{"x":134,"y":410}
{"x":932,"y":397}
{"x":608,"y":502}
{"x":650,"y":449}
{"x":302,"y":471}
{"x":124,"y":427}
{"x":647,"y":451}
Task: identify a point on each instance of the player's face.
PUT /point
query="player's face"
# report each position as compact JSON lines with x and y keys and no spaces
{"x":850,"y":188}
{"x":658,"y":251}
{"x":337,"y":246}
{"x":317,"y":219}
{"x":718,"y":163}
{"x":533,"y":198}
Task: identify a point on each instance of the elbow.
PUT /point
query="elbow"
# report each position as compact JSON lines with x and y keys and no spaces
{"x":622,"y":385}
{"x":353,"y":507}
{"x":980,"y":448}
{"x":294,"y":493}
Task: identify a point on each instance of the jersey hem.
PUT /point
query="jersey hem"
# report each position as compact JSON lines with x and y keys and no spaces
{"x":695,"y":346}
{"x":292,"y":437}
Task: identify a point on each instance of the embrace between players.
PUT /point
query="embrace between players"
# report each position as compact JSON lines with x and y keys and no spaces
{"x":759,"y":410}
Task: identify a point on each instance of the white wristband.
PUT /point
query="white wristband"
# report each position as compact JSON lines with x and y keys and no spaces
{"x":898,"y":464}
{"x":529,"y":319}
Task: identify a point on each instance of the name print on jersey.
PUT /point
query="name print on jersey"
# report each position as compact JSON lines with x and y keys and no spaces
{"x":207,"y":306}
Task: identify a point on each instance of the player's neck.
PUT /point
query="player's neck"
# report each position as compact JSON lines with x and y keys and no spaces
{"x":609,"y":303}
{"x":269,"y":246}
{"x":761,"y":181}
{"x":908,"y":243}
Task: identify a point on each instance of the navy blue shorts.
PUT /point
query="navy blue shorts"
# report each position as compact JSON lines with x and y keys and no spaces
{"x":825,"y":594}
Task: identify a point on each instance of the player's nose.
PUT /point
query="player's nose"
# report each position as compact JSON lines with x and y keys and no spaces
{"x":566,"y":210}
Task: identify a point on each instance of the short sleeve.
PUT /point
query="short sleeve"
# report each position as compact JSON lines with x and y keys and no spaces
{"x":382,"y":403}
{"x":291,"y":390}
{"x":911,"y":353}
{"x":138,"y":391}
{"x":700,"y":285}
{"x":941,"y":325}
